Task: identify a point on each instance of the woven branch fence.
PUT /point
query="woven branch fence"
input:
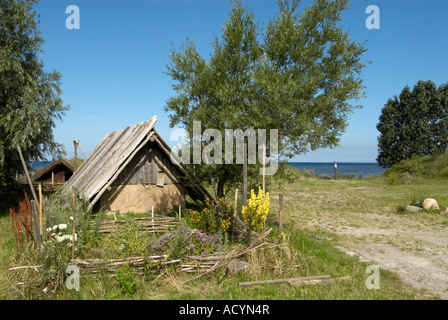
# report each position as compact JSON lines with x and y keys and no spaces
{"x":202,"y":264}
{"x":156,"y":224}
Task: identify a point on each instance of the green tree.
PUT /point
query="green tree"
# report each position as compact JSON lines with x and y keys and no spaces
{"x":30,"y":100}
{"x":413,"y":124}
{"x":299,"y":74}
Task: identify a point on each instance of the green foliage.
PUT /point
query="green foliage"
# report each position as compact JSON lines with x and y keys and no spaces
{"x":286,"y":175}
{"x":204,"y":220}
{"x":413,"y":124}
{"x":30,"y":101}
{"x":213,"y":218}
{"x":300,"y":74}
{"x":407,"y":171}
{"x":308,"y":173}
{"x":126,"y":280}
{"x":128,"y":241}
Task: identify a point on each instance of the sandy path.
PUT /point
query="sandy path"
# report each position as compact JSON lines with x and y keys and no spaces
{"x":418,"y":253}
{"x":415,"y":249}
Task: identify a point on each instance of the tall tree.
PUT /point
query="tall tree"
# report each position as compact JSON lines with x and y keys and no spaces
{"x":413,"y":124}
{"x":299,"y":74}
{"x":30,"y":101}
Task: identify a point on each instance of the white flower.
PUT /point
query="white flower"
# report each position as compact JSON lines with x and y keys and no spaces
{"x":60,"y":239}
{"x":62,"y":226}
{"x":55,"y":227}
{"x":45,"y":290}
{"x":49,"y":229}
{"x":71,"y":218}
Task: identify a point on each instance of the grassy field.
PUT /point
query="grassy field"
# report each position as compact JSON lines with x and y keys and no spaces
{"x":320,"y":217}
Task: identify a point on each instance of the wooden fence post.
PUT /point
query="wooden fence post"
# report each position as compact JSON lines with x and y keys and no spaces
{"x":264,"y":167}
{"x":234,"y":211}
{"x":47,"y":219}
{"x":152,"y":220}
{"x":245,"y":175}
{"x":280,"y":214}
{"x":74,"y":222}
{"x":40,"y":207}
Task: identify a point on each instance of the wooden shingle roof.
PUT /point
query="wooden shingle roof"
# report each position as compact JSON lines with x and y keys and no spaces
{"x":51,"y":167}
{"x":112,"y":155}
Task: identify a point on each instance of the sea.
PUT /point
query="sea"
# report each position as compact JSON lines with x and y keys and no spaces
{"x":364,"y":169}
{"x":37,"y":165}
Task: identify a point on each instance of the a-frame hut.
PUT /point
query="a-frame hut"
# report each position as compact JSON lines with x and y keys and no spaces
{"x":57,"y":172}
{"x":131,"y":171}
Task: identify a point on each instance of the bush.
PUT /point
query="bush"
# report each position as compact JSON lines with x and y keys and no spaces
{"x":211,"y":219}
{"x":308,"y":173}
{"x":128,"y":241}
{"x":125,"y":280}
{"x":406,"y":171}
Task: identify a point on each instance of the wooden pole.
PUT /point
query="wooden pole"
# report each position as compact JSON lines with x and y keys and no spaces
{"x":36,"y":224}
{"x":245,"y":175}
{"x":27,"y":175}
{"x":264,"y":166}
{"x":52,"y":179}
{"x":292,"y":281}
{"x":264,"y":174}
{"x":76,"y":143}
{"x":47,"y":218}
{"x":152,"y":220}
{"x":234,"y":211}
{"x":180,"y":211}
{"x":40,"y":207}
{"x":335,"y":170}
{"x":280,"y":214}
{"x":74,"y":222}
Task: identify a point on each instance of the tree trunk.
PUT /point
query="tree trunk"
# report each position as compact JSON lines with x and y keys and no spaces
{"x":221,"y":183}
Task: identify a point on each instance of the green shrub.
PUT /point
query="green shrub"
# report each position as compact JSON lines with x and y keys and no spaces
{"x":126,"y":280}
{"x":307,"y":173}
{"x":406,"y":171}
{"x":212,"y":219}
{"x":128,"y":241}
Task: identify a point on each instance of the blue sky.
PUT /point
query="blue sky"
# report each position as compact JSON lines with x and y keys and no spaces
{"x":113,"y":66}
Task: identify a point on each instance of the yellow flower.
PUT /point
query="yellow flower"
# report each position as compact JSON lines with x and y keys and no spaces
{"x":257,"y":209}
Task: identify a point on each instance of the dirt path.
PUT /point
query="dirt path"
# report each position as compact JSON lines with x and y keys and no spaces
{"x":415,"y":249}
{"x":418,"y":253}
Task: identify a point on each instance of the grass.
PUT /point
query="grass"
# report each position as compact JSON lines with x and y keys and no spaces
{"x":311,"y":206}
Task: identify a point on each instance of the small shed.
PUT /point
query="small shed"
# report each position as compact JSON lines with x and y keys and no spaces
{"x":131,"y":170}
{"x":58,"y":171}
